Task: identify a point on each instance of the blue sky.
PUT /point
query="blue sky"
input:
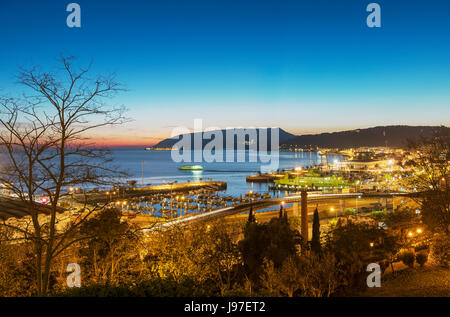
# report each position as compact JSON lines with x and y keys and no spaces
{"x":306,"y":66}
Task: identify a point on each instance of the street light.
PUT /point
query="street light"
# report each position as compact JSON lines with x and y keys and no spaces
{"x":281,"y":208}
{"x":71,"y":196}
{"x":357,"y":197}
{"x":332,"y":209}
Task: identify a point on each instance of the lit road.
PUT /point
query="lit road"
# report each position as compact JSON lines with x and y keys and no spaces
{"x":260,"y":204}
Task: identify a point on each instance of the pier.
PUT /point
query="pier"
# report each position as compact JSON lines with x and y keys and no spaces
{"x":183,"y":187}
{"x":263,"y":178}
{"x":122,"y":192}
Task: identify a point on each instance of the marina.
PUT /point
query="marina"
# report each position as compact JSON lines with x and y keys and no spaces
{"x":191,"y":190}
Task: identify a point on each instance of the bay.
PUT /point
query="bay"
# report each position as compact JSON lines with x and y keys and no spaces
{"x":157,"y":167}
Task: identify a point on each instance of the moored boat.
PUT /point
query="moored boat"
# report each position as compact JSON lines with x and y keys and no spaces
{"x":191,"y":168}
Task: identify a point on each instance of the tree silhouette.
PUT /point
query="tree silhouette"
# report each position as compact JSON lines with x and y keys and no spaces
{"x":315,"y":240}
{"x":43,"y":139}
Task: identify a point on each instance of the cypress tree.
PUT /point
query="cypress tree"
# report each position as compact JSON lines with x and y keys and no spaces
{"x":315,"y":240}
{"x":251,"y":216}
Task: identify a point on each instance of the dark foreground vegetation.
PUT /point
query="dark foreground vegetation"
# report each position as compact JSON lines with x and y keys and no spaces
{"x":217,"y":259}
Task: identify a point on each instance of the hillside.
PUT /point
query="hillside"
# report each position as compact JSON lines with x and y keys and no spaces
{"x":168,"y":143}
{"x":391,"y":136}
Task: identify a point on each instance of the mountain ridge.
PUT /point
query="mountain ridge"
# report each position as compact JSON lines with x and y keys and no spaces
{"x":391,"y":136}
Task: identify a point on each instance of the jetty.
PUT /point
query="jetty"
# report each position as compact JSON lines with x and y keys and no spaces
{"x":183,"y":187}
{"x":263,"y":178}
{"x":123,"y":192}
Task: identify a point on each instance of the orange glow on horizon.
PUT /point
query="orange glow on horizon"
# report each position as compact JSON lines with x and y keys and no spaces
{"x":123,"y":142}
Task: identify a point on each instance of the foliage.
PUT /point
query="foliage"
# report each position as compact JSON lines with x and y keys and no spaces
{"x":315,"y":240}
{"x":378,"y":214}
{"x":408,"y":258}
{"x":304,"y":275}
{"x":400,"y":222}
{"x":421,"y":258}
{"x":207,"y":252}
{"x":430,"y":177}
{"x":156,"y":287}
{"x":365,"y":239}
{"x":440,"y":250}
{"x":290,"y":274}
{"x":322,"y":276}
{"x":401,"y":219}
{"x":350,"y":211}
{"x":270,"y":279}
{"x":274,"y":241}
{"x":108,"y":253}
{"x":356,"y":244}
{"x":16,"y":271}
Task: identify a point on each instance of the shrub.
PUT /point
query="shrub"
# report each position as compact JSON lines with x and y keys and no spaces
{"x":421,"y":258}
{"x":440,"y":250}
{"x":378,"y":215}
{"x":350,"y":211}
{"x":408,"y":258}
{"x":156,"y":287}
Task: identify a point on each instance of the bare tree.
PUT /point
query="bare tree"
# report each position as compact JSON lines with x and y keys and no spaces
{"x":44,"y":141}
{"x":431,"y":177}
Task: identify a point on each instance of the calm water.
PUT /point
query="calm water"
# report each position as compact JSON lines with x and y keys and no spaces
{"x":158,"y":167}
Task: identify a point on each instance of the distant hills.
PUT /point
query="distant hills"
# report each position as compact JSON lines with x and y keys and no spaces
{"x":391,"y":136}
{"x":247,"y":140}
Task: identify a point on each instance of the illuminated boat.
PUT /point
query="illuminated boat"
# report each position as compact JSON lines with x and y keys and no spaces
{"x":191,"y":168}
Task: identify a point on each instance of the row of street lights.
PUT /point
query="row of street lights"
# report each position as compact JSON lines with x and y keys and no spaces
{"x":123,"y":203}
{"x":108,"y":193}
{"x":418,"y":231}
